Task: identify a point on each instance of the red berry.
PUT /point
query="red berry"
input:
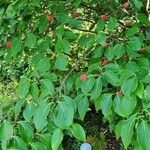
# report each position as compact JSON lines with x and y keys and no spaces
{"x":119,"y":93}
{"x":125,"y":5}
{"x":83,"y":77}
{"x":74,"y":14}
{"x":8,"y":44}
{"x":104,"y":62}
{"x":50,"y":18}
{"x":104,"y":17}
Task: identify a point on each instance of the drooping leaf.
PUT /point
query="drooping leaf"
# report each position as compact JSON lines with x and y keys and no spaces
{"x":129,"y":86}
{"x":83,"y":107}
{"x":78,"y":132}
{"x":40,"y":115}
{"x":127,"y":131}
{"x":87,"y":85}
{"x":31,"y":40}
{"x":57,"y":137}
{"x":143,"y":135}
{"x":19,"y":143}
{"x":106,"y":104}
{"x":61,"y":62}
{"x":23,"y":88}
{"x":111,"y":77}
{"x":64,"y":115}
{"x":97,"y":89}
{"x":26,"y":131}
{"x":29,"y":111}
{"x":16,"y":46}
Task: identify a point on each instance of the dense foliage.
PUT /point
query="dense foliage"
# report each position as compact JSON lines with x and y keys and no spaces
{"x":67,"y":56}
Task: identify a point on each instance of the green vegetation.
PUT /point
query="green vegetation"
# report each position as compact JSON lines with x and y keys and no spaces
{"x":69,"y":68}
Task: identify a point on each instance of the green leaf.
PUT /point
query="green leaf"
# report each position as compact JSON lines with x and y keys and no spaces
{"x":46,"y":139}
{"x":129,"y":86}
{"x":143,"y":18}
{"x":112,"y":23}
{"x":64,"y":115}
{"x":38,"y":146}
{"x":101,"y":38}
{"x":61,"y":62}
{"x":111,"y":77}
{"x":29,"y":111}
{"x":119,"y":50}
{"x":34,"y":90}
{"x":87,"y":85}
{"x":125,"y":106}
{"x":118,"y":128}
{"x":36,"y":3}
{"x":132,"y":31}
{"x":25,"y":131}
{"x":78,"y":132}
{"x":57,"y":138}
{"x":6,"y":131}
{"x":16,"y":46}
{"x":100,"y":25}
{"x":83,"y":107}
{"x":31,"y":40}
{"x":47,"y":86}
{"x":97,"y":89}
{"x":42,"y":65}
{"x":62,"y":46}
{"x":97,"y":104}
{"x":127,"y":131}
{"x":40,"y":115}
{"x":18,"y":106}
{"x":143,"y":135}
{"x":138,"y":4}
{"x":140,"y":90}
{"x":19,"y":143}
{"x":106,"y":104}
{"x":43,"y":24}
{"x":63,"y":18}
{"x":110,"y":53}
{"x":23,"y":88}
{"x":135,"y":43}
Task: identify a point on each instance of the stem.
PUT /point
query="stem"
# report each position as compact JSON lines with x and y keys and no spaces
{"x":76,"y":64}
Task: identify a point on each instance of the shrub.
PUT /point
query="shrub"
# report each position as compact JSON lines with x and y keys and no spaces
{"x":72,"y":55}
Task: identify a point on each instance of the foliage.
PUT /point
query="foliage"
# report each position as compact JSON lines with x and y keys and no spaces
{"x":47,"y":45}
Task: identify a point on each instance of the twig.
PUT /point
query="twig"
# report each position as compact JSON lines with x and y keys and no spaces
{"x":83,"y":30}
{"x":76,"y":64}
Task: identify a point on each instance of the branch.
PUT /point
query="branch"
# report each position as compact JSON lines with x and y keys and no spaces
{"x":76,"y":64}
{"x":83,"y":30}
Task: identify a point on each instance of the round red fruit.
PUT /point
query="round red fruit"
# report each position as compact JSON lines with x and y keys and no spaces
{"x":104,"y":17}
{"x":104,"y":62}
{"x":8,"y":44}
{"x":50,"y":18}
{"x":125,"y":5}
{"x":74,"y":14}
{"x":83,"y":77}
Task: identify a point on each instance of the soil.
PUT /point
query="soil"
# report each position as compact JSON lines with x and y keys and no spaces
{"x":98,"y":134}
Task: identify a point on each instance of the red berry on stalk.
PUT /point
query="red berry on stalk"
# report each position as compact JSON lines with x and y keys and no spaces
{"x":104,"y":62}
{"x":125,"y":5}
{"x":83,"y":77}
{"x":104,"y":17}
{"x":50,"y":18}
{"x":74,"y":14}
{"x":8,"y":44}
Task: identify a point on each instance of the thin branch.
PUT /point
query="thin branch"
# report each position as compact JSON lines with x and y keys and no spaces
{"x":76,"y":64}
{"x":83,"y":30}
